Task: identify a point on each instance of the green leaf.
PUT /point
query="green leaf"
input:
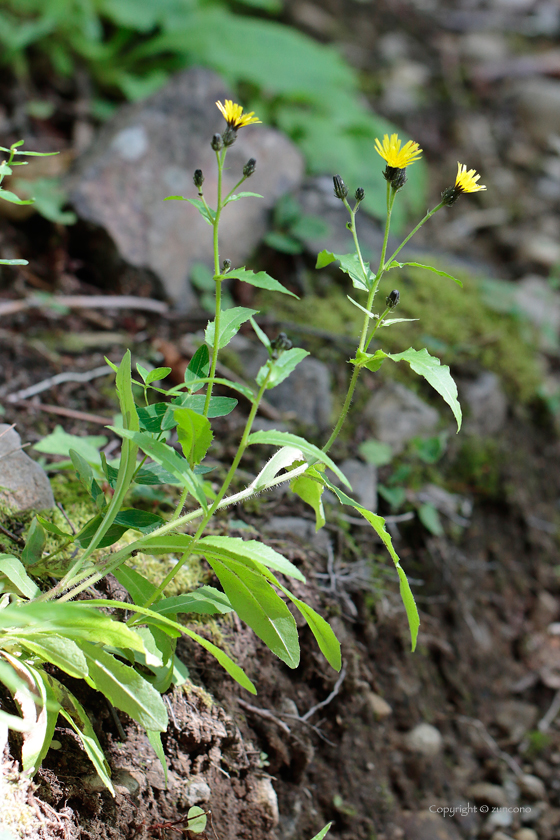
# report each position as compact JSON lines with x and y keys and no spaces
{"x":261,"y":335}
{"x":35,"y":543}
{"x":198,"y":367}
{"x":142,"y":371}
{"x":139,"y":589}
{"x":283,"y":242}
{"x":37,"y":740}
{"x":230,"y":321}
{"x":196,"y":817}
{"x":236,"y":197}
{"x":349,"y":264}
{"x":112,"y":534}
{"x":54,"y":529}
{"x":206,"y":601}
{"x":206,"y":212}
{"x":251,"y":551}
{"x":125,"y":688}
{"x":378,"y":525}
{"x":166,"y":458}
{"x":261,"y":280}
{"x":141,"y":520}
{"x":281,"y":368}
{"x":76,"y":716}
{"x":219,"y":406}
{"x":59,"y":651}
{"x":274,"y":438}
{"x":231,"y":667}
{"x":60,"y":443}
{"x":14,"y":570}
{"x":195,"y":434}
{"x":321,"y":629}
{"x":323,"y":832}
{"x":85,"y":475}
{"x":395,"y":264}
{"x":157,"y":374}
{"x":436,"y":374}
{"x":154,"y":737}
{"x":13,"y":198}
{"x":14,"y":262}
{"x":371,"y":361}
{"x":259,"y":606}
{"x":396,"y":496}
{"x":153,"y":474}
{"x":376,"y":452}
{"x":429,"y":517}
{"x":152,"y":417}
{"x":309,"y":487}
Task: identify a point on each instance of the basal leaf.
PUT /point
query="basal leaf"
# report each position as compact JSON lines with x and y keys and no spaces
{"x":14,"y":570}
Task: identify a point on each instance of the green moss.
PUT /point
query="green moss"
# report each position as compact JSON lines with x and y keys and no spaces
{"x":477,"y":467}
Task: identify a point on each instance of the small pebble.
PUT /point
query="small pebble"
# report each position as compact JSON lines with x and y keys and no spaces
{"x":526,"y":834}
{"x":532,"y":787}
{"x":380,"y":708}
{"x":424,"y":739}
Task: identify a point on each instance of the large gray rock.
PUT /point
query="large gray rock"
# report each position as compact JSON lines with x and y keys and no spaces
{"x":23,"y":483}
{"x":150,"y":151}
{"x":538,"y":101}
{"x":396,"y":415}
{"x":541,"y":305}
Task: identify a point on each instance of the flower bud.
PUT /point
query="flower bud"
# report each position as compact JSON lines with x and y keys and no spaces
{"x":217,"y":142}
{"x":359,"y":194}
{"x":229,"y":136}
{"x":450,"y":195}
{"x":198,"y":178}
{"x":396,"y":177}
{"x":340,"y":188}
{"x":226,"y":265}
{"x":249,"y":167}
{"x":280,"y":344}
{"x":393,"y":298}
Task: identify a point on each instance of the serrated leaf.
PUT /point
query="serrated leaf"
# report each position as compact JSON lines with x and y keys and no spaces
{"x":395,"y":264}
{"x":275,"y":438}
{"x":261,"y":280}
{"x":281,"y":368}
{"x":125,"y":688}
{"x":152,"y":474}
{"x":14,"y":570}
{"x":230,"y":322}
{"x":261,"y":335}
{"x":435,"y":373}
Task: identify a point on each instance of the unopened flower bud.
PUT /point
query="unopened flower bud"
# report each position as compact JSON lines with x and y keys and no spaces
{"x":226,"y":265}
{"x":198,"y":178}
{"x":359,"y":194}
{"x":229,"y":136}
{"x":280,"y":344}
{"x":396,"y":177}
{"x":393,"y":298}
{"x":450,"y":195}
{"x":340,"y":188}
{"x":249,"y":167}
{"x":217,"y":142}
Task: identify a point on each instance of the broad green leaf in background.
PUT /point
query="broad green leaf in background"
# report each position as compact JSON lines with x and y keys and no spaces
{"x":230,"y":321}
{"x":260,"y":279}
{"x":376,"y":452}
{"x":60,"y":443}
{"x":35,"y":543}
{"x":281,"y":368}
{"x":196,"y":817}
{"x":429,"y":517}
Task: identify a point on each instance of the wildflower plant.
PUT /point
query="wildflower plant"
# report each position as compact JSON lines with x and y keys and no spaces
{"x":41,"y":623}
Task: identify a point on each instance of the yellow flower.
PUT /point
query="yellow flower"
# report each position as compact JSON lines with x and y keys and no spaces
{"x":396,"y":157}
{"x":234,"y":116}
{"x":465,"y":181}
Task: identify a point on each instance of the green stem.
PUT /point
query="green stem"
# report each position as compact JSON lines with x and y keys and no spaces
{"x":220,"y":157}
{"x":379,"y":322}
{"x":227,"y":481}
{"x":428,"y":215}
{"x":180,"y":504}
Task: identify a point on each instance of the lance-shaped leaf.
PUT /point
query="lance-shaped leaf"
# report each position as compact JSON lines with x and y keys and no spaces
{"x":251,"y":551}
{"x":281,"y":368}
{"x":349,"y":264}
{"x":206,"y":212}
{"x":14,"y":570}
{"x":395,"y":264}
{"x":260,"y":279}
{"x":230,"y":321}
{"x":435,"y":373}
{"x":309,"y":487}
{"x":308,"y":449}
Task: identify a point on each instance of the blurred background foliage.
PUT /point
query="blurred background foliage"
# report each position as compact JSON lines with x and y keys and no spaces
{"x":131,"y":47}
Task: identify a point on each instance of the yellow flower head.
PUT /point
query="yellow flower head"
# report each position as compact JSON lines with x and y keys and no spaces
{"x":396,"y":157}
{"x":465,"y":181}
{"x":234,"y":116}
